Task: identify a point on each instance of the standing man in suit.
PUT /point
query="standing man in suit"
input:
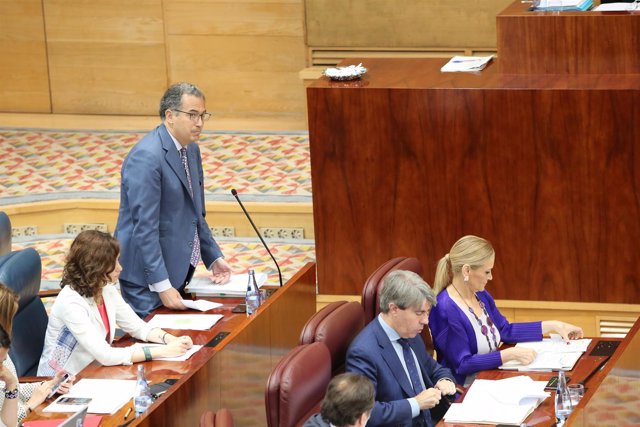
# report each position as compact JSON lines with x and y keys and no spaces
{"x":390,"y":352}
{"x":161,"y":223}
{"x":347,"y":403}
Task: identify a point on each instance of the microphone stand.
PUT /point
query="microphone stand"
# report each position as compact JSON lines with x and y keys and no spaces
{"x":235,"y":194}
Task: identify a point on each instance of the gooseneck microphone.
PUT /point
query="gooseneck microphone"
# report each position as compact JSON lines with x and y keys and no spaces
{"x":235,"y":194}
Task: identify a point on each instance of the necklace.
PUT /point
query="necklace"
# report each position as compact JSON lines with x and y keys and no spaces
{"x":484,"y":329}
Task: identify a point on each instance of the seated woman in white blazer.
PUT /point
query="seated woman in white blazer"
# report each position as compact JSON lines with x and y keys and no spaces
{"x":85,"y":314}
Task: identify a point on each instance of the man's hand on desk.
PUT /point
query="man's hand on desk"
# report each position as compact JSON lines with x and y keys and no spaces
{"x":221,"y":271}
{"x":429,"y":398}
{"x":171,"y":299}
{"x":446,"y":386}
{"x":520,"y":354}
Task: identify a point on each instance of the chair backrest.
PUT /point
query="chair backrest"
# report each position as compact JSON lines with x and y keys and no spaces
{"x":21,"y":271}
{"x":297,"y":384}
{"x":5,"y":234}
{"x":373,"y":287}
{"x":220,"y":418}
{"x":336,"y":325}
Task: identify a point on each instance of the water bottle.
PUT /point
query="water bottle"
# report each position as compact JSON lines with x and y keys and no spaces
{"x":142,"y":395}
{"x":252,"y":298}
{"x":563,"y":399}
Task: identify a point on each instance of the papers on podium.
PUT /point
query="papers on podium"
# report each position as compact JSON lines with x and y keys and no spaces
{"x":553,"y":354}
{"x":564,"y":5}
{"x":235,"y":287}
{"x":508,"y":401}
{"x":107,"y":396}
{"x":615,"y":7}
{"x":466,"y":63}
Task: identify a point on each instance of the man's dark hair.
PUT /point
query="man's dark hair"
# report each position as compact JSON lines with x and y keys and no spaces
{"x":348,"y":396}
{"x":172,"y":98}
{"x":5,"y":341}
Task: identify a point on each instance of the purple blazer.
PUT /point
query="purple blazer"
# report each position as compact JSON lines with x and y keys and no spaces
{"x":455,"y":340}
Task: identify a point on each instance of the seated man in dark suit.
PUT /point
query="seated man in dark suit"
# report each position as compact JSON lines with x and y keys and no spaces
{"x":390,"y":352}
{"x":348,"y":403}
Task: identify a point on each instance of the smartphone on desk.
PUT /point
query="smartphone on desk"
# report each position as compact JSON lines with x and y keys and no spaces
{"x":72,"y":400}
{"x":57,"y":385}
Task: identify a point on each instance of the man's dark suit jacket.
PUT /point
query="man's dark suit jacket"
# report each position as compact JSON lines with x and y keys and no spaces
{"x":372,"y":355}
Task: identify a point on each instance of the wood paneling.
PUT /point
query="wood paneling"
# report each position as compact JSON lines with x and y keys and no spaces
{"x":242,"y":73}
{"x":404,"y":163}
{"x":272,"y":18}
{"x":402,"y":23}
{"x":106,"y":57}
{"x":24,"y":82}
{"x":567,"y":42}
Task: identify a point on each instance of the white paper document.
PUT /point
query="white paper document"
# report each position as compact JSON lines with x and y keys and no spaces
{"x":466,"y":63}
{"x":235,"y":287}
{"x":198,"y":322}
{"x":182,"y":358}
{"x":507,"y":401}
{"x":615,"y":7}
{"x":107,"y":396}
{"x":553,"y":354}
{"x":201,"y":304}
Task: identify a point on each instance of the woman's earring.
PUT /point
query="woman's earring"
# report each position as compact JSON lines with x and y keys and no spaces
{"x":466,"y":279}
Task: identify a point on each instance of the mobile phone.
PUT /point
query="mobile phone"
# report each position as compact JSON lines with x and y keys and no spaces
{"x":71,"y":400}
{"x":240,"y":308}
{"x":553,"y":383}
{"x":57,"y":385}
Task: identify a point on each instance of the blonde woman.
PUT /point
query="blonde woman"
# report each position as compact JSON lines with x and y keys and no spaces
{"x":87,"y":310}
{"x":467,"y":327}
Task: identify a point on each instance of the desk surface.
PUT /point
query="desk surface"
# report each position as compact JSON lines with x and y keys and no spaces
{"x":232,"y":374}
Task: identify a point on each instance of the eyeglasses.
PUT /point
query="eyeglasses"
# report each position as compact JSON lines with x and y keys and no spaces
{"x":194,"y":116}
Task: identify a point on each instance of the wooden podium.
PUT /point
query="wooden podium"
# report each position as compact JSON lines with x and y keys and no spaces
{"x":409,"y":159}
{"x":532,"y":42}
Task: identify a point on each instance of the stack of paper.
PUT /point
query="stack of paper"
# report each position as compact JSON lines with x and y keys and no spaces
{"x":197,"y":322}
{"x":235,"y":287}
{"x":466,"y":63}
{"x":507,"y":401}
{"x":568,"y":5}
{"x":553,"y":354}
{"x":615,"y":7}
{"x":193,"y":350}
{"x":107,"y":396}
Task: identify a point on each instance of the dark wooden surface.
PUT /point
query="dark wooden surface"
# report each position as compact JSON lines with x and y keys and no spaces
{"x":567,"y":42}
{"x":409,"y":159}
{"x":616,"y":399}
{"x":231,"y":375}
{"x":544,"y":415}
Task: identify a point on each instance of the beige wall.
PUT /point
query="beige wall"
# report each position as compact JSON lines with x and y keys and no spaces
{"x":117,"y":56}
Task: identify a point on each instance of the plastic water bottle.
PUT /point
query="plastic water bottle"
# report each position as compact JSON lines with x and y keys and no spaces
{"x":252,"y":298}
{"x":142,"y":395}
{"x":563,"y":399}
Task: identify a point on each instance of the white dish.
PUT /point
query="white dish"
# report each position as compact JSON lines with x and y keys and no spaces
{"x":351,"y":72}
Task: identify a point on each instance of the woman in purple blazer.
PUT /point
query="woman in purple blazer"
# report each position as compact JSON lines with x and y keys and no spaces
{"x":467,"y":327}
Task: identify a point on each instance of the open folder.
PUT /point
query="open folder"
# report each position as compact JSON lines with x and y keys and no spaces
{"x":508,"y":401}
{"x":553,"y":354}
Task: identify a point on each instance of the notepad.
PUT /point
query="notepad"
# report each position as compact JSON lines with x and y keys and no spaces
{"x":508,"y":401}
{"x":198,"y":322}
{"x":466,"y":64}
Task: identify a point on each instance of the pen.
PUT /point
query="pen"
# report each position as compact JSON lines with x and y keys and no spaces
{"x":127,"y":414}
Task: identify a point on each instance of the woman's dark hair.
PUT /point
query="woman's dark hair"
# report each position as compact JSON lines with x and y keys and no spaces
{"x":91,"y":259}
{"x":5,"y":340}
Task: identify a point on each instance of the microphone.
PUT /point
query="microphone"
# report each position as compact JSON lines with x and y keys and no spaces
{"x":235,"y":194}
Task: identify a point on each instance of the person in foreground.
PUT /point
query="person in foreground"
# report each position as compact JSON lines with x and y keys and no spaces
{"x":87,"y":310}
{"x":29,"y":395}
{"x":466,"y":325}
{"x":347,"y":403}
{"x":390,"y":352}
{"x":161,"y":223}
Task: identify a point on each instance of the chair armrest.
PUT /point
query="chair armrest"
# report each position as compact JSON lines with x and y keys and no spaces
{"x":49,"y":293}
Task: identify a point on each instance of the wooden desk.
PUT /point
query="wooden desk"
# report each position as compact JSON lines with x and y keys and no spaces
{"x":567,"y":42}
{"x":233,"y":374}
{"x":544,"y":415}
{"x":615,"y":398}
{"x":409,"y":159}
